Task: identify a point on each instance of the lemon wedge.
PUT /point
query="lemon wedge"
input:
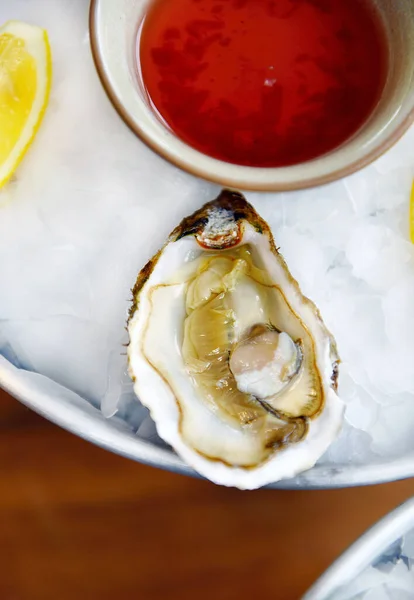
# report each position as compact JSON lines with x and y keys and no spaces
{"x":25,"y":78}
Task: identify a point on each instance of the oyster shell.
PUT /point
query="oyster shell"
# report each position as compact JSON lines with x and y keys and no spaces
{"x":235,"y":364}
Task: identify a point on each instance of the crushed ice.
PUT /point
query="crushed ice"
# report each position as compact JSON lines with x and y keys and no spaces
{"x":390,"y":577}
{"x":91,"y":203}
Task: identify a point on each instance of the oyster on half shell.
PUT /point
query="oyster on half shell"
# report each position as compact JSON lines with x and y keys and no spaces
{"x":235,"y":364}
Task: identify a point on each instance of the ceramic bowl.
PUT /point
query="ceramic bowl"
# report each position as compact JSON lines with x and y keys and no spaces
{"x":113,"y":33}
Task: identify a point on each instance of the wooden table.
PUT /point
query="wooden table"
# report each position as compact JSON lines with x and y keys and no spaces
{"x":77,"y":522}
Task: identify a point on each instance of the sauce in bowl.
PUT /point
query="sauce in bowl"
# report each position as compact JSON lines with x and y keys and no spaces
{"x":264,"y":83}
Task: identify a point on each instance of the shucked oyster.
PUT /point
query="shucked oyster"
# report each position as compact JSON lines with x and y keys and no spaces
{"x":234,"y":363}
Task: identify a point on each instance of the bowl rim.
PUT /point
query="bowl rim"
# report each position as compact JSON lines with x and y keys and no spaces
{"x":364,"y":551}
{"x":90,"y":425}
{"x":205,"y":173}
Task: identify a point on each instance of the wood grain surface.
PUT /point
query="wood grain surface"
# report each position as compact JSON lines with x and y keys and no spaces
{"x":77,"y":522}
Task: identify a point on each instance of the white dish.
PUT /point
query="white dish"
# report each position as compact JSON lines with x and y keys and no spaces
{"x":113,"y":28}
{"x":91,"y":203}
{"x":379,"y":564}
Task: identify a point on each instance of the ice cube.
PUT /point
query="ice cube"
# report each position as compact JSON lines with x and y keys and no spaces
{"x":363,"y":583}
{"x":305,"y":257}
{"x":362,"y":411}
{"x":351,"y":447}
{"x":392,"y":432}
{"x":379,"y":256}
{"x":398,"y":308}
{"x":71,"y":351}
{"x":361,"y":192}
{"x":132,"y":411}
{"x":148,"y":431}
{"x":408,"y":545}
{"x":118,"y":381}
{"x":389,"y":557}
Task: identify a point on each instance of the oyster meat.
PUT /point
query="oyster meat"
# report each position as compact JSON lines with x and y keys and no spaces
{"x":235,"y":364}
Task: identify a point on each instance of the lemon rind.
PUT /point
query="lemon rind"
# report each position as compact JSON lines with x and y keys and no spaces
{"x":37,"y":45}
